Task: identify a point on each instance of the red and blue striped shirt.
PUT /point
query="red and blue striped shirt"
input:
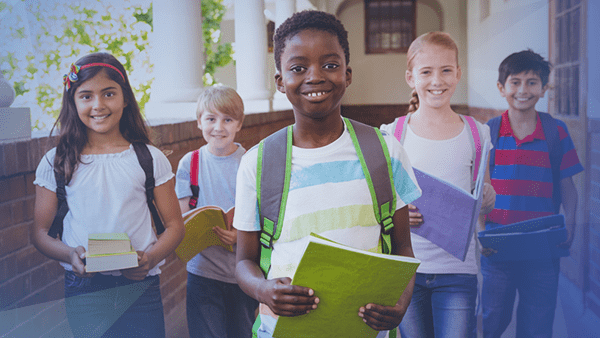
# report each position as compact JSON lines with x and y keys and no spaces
{"x":522,"y":176}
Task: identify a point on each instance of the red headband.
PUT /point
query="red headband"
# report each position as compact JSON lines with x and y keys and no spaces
{"x":72,"y":75}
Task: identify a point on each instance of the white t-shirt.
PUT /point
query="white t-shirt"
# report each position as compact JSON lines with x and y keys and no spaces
{"x":328,"y":196}
{"x":107,"y":194}
{"x":450,"y":160}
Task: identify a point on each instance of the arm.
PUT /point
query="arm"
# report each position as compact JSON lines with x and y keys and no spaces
{"x":569,"y":200}
{"x":489,"y":194}
{"x":278,"y":294}
{"x":388,"y":317}
{"x":168,"y":208}
{"x":184,"y":204}
{"x":44,"y":212}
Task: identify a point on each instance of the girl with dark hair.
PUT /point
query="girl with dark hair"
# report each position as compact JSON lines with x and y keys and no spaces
{"x":105,"y":193}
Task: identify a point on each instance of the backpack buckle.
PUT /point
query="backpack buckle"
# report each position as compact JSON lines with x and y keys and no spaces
{"x":266,"y":240}
{"x":387,"y":225}
{"x":266,"y":233}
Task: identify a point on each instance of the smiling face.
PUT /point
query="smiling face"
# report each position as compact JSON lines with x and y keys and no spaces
{"x":314,"y":74}
{"x":219,"y":131}
{"x":434,"y":75}
{"x":100,"y":103}
{"x":522,"y":91}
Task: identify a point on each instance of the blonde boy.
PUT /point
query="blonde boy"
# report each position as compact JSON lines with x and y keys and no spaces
{"x":216,"y":306}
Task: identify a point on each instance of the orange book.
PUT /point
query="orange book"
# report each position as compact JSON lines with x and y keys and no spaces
{"x":199,"y":233}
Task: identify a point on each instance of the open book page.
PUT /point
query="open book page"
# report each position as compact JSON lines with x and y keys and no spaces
{"x":345,"y":279}
{"x":449,"y":213}
{"x":199,"y":233}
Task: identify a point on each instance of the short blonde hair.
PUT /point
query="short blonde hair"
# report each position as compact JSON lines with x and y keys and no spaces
{"x":223,"y":99}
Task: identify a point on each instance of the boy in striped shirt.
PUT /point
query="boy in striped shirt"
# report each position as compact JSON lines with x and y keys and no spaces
{"x":532,"y":179}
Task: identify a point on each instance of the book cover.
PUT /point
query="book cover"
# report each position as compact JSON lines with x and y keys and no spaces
{"x":449,"y":213}
{"x":344,"y":279}
{"x":532,"y":239}
{"x":109,"y":262}
{"x":108,"y":243}
{"x":199,"y":234}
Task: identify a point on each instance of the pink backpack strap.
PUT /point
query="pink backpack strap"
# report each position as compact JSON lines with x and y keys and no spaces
{"x":399,"y":133}
{"x":476,"y":139}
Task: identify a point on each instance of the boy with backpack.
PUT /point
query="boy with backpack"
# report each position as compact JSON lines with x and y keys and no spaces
{"x":320,"y":179}
{"x":531,"y":169}
{"x":216,"y":306}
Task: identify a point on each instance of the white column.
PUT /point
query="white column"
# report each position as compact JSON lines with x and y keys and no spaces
{"x":283,"y":10}
{"x":251,"y":55}
{"x":177,"y":54}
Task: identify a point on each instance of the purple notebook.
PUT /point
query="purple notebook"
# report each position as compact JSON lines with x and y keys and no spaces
{"x":449,"y":212}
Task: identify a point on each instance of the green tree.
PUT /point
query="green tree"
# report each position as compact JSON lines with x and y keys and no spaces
{"x":216,"y":54}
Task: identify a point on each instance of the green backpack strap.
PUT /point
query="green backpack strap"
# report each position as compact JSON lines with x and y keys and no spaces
{"x":374,"y":158}
{"x":272,"y":187}
{"x":273,"y":184}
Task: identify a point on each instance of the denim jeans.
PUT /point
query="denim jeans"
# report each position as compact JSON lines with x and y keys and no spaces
{"x":114,"y":306}
{"x":218,"y":309}
{"x":442,"y":305}
{"x":537,"y":284}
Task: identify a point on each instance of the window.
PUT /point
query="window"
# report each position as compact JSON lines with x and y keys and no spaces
{"x":567,"y":58}
{"x":389,"y":25}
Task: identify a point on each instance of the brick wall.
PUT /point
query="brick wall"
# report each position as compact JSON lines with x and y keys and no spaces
{"x":593,"y":169}
{"x":31,"y":285}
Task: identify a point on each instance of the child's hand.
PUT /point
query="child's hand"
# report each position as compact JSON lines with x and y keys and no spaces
{"x":140,"y":272}
{"x":287,"y":300}
{"x":77,"y":257}
{"x":566,"y":244}
{"x":489,"y":199}
{"x":229,"y":237}
{"x":380,"y":317}
{"x":487,"y":252}
{"x":415,"y":219}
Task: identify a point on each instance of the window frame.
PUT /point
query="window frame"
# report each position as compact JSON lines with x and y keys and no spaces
{"x":402,"y":49}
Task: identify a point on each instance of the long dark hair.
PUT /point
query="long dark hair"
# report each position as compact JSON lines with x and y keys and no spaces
{"x":73,"y":133}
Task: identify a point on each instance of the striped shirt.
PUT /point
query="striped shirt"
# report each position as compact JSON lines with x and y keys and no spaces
{"x":522,"y":177}
{"x":328,"y":196}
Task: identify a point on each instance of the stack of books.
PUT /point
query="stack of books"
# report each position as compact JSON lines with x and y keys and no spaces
{"x":110,"y":251}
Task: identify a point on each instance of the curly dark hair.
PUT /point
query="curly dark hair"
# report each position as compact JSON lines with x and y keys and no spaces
{"x":309,"y":20}
{"x":524,"y":61}
{"x":73,"y":133}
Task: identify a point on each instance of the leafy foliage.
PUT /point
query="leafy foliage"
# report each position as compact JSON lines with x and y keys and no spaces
{"x":40,"y":39}
{"x":216,"y":54}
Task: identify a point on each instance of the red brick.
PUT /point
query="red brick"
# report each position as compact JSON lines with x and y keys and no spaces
{"x":29,"y":187}
{"x":12,"y":188}
{"x":23,"y":162}
{"x":2,"y":160}
{"x":8,"y":267}
{"x":29,"y":258}
{"x":171,"y":284}
{"x":13,"y":238}
{"x":18,"y":211}
{"x":5,"y":215}
{"x":42,"y":317}
{"x":45,"y":275}
{"x":14,"y":290}
{"x":173,"y":300}
{"x":10,"y":159}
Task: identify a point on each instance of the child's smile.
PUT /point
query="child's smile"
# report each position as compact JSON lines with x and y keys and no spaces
{"x":522,"y":91}
{"x":314,"y":74}
{"x":100,"y":103}
{"x":435,"y":75}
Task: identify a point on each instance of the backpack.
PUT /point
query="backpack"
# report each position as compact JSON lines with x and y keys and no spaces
{"x":274,"y":166}
{"x":145,"y":158}
{"x":194,"y":179}
{"x":550,"y":127}
{"x":400,"y":134}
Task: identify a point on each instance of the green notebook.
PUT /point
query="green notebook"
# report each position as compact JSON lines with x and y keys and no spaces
{"x":344,"y":279}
